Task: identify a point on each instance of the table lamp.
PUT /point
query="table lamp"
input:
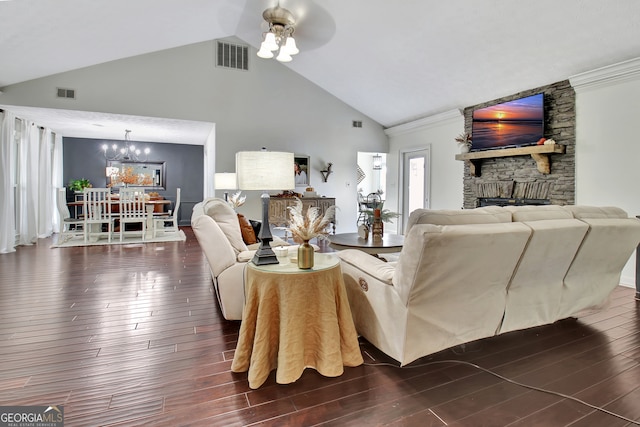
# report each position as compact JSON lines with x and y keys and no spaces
{"x":226,"y":181}
{"x":265,"y":170}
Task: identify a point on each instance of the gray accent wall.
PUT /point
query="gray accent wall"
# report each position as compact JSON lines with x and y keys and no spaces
{"x":83,"y":158}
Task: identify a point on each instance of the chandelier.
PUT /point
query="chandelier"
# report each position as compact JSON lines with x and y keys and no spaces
{"x":279,"y":37}
{"x":127,"y":152}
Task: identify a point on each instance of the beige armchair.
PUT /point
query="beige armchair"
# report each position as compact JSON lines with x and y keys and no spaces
{"x":217,"y":230}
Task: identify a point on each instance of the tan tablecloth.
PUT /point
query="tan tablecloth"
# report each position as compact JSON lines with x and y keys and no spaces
{"x":294,"y":319}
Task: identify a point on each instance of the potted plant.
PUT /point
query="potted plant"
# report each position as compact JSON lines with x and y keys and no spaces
{"x":385,"y":215}
{"x":78,"y":185}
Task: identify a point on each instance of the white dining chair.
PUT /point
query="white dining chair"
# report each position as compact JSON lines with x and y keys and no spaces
{"x":97,"y":213}
{"x":132,"y":211}
{"x":171,"y":218}
{"x":69,"y":227}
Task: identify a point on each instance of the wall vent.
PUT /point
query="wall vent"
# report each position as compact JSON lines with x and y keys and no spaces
{"x":357,"y":123}
{"x":66,"y":93}
{"x":233,"y":56}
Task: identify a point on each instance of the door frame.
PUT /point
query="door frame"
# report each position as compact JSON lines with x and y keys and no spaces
{"x":427,"y":178}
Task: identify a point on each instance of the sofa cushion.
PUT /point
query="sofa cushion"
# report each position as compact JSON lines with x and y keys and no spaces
{"x":248,"y":234}
{"x":227,"y":220}
{"x":595,"y":212}
{"x":485,"y":215}
{"x":538,"y":213}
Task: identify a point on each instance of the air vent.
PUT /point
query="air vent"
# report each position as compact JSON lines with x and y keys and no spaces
{"x":66,"y":93}
{"x":233,"y":56}
{"x":357,"y":123}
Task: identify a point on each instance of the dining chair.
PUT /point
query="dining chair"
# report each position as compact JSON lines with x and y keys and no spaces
{"x":160,"y":221}
{"x":132,"y":211}
{"x":362,"y":210}
{"x":69,"y":227}
{"x":97,"y":213}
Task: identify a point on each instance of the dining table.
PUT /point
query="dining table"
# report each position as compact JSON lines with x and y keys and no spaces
{"x":152,"y":206}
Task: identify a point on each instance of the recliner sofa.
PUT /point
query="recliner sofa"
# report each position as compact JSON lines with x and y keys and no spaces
{"x":464,"y":275}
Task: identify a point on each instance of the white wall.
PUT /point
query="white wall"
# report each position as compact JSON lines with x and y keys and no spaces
{"x":607,"y":142}
{"x":438,"y":133}
{"x":268,"y":106}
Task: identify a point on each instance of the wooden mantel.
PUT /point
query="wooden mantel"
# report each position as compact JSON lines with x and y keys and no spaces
{"x":539,"y":153}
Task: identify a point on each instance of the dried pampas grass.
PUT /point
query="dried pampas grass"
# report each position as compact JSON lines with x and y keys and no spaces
{"x":306,"y":227}
{"x":235,"y":200}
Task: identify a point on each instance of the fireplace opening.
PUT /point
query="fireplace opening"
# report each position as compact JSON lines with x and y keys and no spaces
{"x":503,"y":201}
{"x":512,"y":193}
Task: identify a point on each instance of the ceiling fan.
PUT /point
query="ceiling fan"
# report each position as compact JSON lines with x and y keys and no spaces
{"x":313,"y":25}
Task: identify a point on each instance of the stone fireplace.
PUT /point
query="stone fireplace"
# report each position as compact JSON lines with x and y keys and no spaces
{"x":523,"y":176}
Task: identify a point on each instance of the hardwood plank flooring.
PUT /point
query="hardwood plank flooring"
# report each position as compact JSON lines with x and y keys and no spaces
{"x":132,"y":336}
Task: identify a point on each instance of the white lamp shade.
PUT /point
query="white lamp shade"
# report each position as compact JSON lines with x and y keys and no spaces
{"x":264,"y":52}
{"x":290,"y":46}
{"x":270,"y":42}
{"x":226,"y":181}
{"x":283,"y":56}
{"x":265,"y":170}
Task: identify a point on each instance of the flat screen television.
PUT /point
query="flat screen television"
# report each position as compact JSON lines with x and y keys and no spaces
{"x":516,"y":123}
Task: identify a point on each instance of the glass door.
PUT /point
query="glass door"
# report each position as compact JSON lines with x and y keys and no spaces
{"x":415,"y":182}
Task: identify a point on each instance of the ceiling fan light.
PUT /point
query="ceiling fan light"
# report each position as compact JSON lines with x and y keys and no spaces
{"x":264,"y":52}
{"x":284,"y":56}
{"x":290,"y":46}
{"x":270,"y":42}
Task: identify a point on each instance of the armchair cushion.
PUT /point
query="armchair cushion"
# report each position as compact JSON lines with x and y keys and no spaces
{"x":227,"y":220}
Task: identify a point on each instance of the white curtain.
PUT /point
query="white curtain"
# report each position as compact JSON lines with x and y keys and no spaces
{"x":28,"y":174}
{"x":7,"y":183}
{"x":27,"y":178}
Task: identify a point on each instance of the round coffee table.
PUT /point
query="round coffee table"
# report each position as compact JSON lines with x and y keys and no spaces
{"x":389,"y":243}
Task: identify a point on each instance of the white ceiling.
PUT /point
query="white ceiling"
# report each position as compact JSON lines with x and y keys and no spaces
{"x":393,"y":61}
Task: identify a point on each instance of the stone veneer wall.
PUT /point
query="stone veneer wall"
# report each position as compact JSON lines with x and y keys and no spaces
{"x":560,"y":124}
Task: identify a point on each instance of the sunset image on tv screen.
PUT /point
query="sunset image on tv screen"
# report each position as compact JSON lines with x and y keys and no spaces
{"x":511,"y":124}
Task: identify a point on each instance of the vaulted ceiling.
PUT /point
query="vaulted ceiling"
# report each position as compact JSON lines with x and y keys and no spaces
{"x":395,"y":61}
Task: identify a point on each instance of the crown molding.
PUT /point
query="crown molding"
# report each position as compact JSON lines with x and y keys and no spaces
{"x":607,"y":76}
{"x":424,"y":123}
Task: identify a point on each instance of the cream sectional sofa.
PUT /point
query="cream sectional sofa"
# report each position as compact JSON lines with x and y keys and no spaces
{"x":463,"y":275}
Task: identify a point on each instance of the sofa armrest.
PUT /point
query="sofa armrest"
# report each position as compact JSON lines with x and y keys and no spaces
{"x":245,"y":256}
{"x":371,"y":265}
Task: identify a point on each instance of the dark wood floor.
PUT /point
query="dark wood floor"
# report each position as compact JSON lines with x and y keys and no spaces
{"x":132,"y":335}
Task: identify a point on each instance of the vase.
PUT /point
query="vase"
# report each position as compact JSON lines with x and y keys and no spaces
{"x":464,"y":148}
{"x":377,"y":230}
{"x":305,"y":256}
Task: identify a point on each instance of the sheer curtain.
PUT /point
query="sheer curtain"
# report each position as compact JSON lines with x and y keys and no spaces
{"x":7,"y":183}
{"x":27,"y":197}
{"x":27,"y":179}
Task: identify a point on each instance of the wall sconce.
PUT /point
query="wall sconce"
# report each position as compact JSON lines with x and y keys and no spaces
{"x":377,"y":162}
{"x":325,"y":173}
